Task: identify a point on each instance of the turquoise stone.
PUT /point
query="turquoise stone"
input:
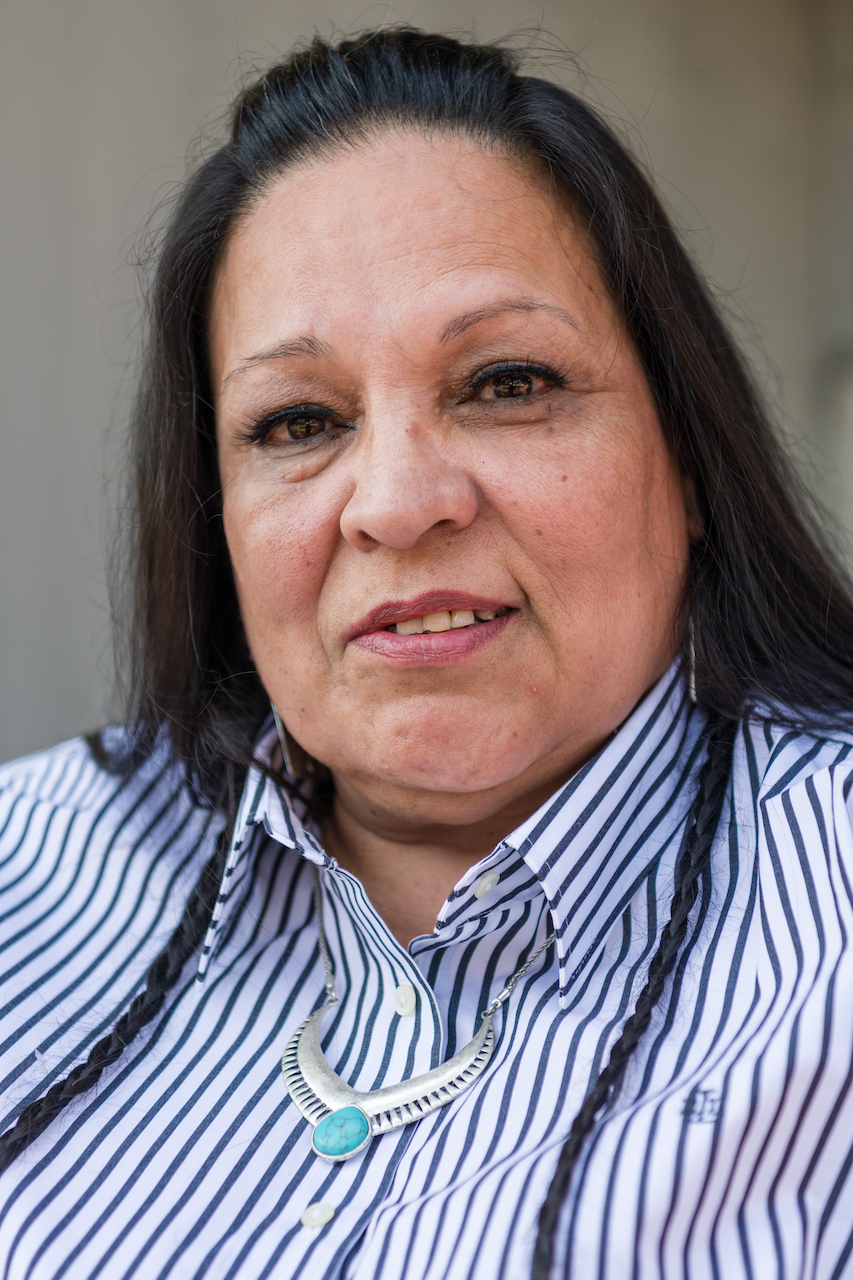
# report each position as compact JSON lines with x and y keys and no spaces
{"x":341,"y":1134}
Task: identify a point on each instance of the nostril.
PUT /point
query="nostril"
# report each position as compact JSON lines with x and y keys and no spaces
{"x":362,"y":541}
{"x":400,"y":497}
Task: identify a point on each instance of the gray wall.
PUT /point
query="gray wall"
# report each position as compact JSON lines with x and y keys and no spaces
{"x":743,"y":109}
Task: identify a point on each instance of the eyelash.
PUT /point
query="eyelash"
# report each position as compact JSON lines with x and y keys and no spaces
{"x":555,"y":377}
{"x":259,"y":431}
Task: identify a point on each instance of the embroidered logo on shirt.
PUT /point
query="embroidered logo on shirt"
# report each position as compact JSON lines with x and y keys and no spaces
{"x":701,"y":1106}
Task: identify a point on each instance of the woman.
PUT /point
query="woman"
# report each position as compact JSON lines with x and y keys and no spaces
{"x":489,"y":719}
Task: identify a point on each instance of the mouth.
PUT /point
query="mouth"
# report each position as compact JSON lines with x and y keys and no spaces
{"x":445,"y":620}
{"x":435,"y":626}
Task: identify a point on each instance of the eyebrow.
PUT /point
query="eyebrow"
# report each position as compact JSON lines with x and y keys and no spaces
{"x":458,"y":326}
{"x":305,"y":345}
{"x":308,"y":345}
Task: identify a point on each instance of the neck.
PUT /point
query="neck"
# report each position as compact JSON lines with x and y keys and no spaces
{"x":408,"y":866}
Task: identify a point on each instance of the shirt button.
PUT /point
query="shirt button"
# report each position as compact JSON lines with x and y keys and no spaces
{"x":405,"y":1000}
{"x":317,"y":1215}
{"x":486,"y":884}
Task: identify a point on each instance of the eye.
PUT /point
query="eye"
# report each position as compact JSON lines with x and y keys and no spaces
{"x":514,"y":382}
{"x":291,"y":426}
{"x":302,"y":426}
{"x":509,"y":385}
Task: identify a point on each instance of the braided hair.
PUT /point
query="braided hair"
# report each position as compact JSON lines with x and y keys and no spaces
{"x":166,"y":970}
{"x":161,"y":977}
{"x":693,"y":869}
{"x":188,"y":671}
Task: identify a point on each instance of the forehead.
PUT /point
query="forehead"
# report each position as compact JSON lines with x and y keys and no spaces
{"x":391,"y":236}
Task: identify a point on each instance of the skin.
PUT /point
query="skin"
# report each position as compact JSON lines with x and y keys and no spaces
{"x":381,"y":287}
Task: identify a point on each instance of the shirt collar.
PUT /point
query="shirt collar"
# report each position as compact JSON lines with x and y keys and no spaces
{"x":283,"y":817}
{"x":590,"y":846}
{"x":593,"y":845}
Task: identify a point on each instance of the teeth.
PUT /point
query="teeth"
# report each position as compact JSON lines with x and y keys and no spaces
{"x":437,"y":621}
{"x":446,"y":620}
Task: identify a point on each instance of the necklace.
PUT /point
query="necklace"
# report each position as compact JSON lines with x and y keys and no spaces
{"x":344,"y":1119}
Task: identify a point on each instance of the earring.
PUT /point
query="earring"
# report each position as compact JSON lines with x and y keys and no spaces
{"x":295,"y":759}
{"x":691,"y":670}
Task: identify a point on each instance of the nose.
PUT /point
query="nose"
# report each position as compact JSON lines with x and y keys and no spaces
{"x":405,"y":486}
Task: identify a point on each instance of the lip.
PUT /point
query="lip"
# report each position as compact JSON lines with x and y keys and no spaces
{"x":369,"y":632}
{"x":393,"y":611}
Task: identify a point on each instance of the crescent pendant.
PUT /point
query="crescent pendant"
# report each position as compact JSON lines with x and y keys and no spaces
{"x":345,"y":1120}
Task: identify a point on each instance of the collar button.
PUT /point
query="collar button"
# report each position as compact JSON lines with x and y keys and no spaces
{"x":486,"y":884}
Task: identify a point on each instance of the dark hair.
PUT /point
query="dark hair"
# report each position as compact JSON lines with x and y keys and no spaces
{"x":772,"y":617}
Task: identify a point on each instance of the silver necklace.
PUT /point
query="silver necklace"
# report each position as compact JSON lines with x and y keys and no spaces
{"x":345,"y":1120}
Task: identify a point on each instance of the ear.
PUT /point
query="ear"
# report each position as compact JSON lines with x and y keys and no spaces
{"x":695,"y":523}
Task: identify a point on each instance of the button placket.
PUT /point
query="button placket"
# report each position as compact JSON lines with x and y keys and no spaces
{"x":405,"y":1000}
{"x":317,"y":1214}
{"x":406,"y":989}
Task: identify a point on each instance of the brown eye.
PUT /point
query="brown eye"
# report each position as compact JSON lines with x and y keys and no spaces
{"x":294,"y":426}
{"x":304,"y":426}
{"x":508,"y":386}
{"x":515,"y":382}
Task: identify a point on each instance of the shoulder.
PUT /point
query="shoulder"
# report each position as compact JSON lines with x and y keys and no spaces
{"x":95,"y":872}
{"x":800,"y":783}
{"x":65,"y":775}
{"x":780,"y":758}
{"x":63,"y":801}
{"x":68,"y":776}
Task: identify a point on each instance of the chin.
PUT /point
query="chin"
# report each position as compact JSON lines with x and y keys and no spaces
{"x":463,"y":770}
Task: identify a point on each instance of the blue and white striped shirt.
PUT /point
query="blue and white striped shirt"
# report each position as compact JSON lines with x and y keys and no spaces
{"x":727,"y":1153}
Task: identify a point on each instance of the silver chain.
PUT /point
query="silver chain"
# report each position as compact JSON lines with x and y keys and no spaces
{"x":517,"y":976}
{"x":327,"y":959}
{"x":321,"y":935}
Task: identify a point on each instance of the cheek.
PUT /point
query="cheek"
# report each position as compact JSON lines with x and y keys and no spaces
{"x":278,"y":560}
{"x":605,"y":524}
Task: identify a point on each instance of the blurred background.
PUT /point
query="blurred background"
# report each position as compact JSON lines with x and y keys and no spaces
{"x":742,"y":110}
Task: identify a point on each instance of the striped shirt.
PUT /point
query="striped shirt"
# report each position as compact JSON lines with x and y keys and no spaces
{"x":727,"y":1153}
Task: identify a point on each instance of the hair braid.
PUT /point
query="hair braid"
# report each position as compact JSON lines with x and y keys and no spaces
{"x":693,"y":865}
{"x":161,"y":977}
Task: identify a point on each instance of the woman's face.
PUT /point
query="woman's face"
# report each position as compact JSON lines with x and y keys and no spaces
{"x":458,"y":536}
